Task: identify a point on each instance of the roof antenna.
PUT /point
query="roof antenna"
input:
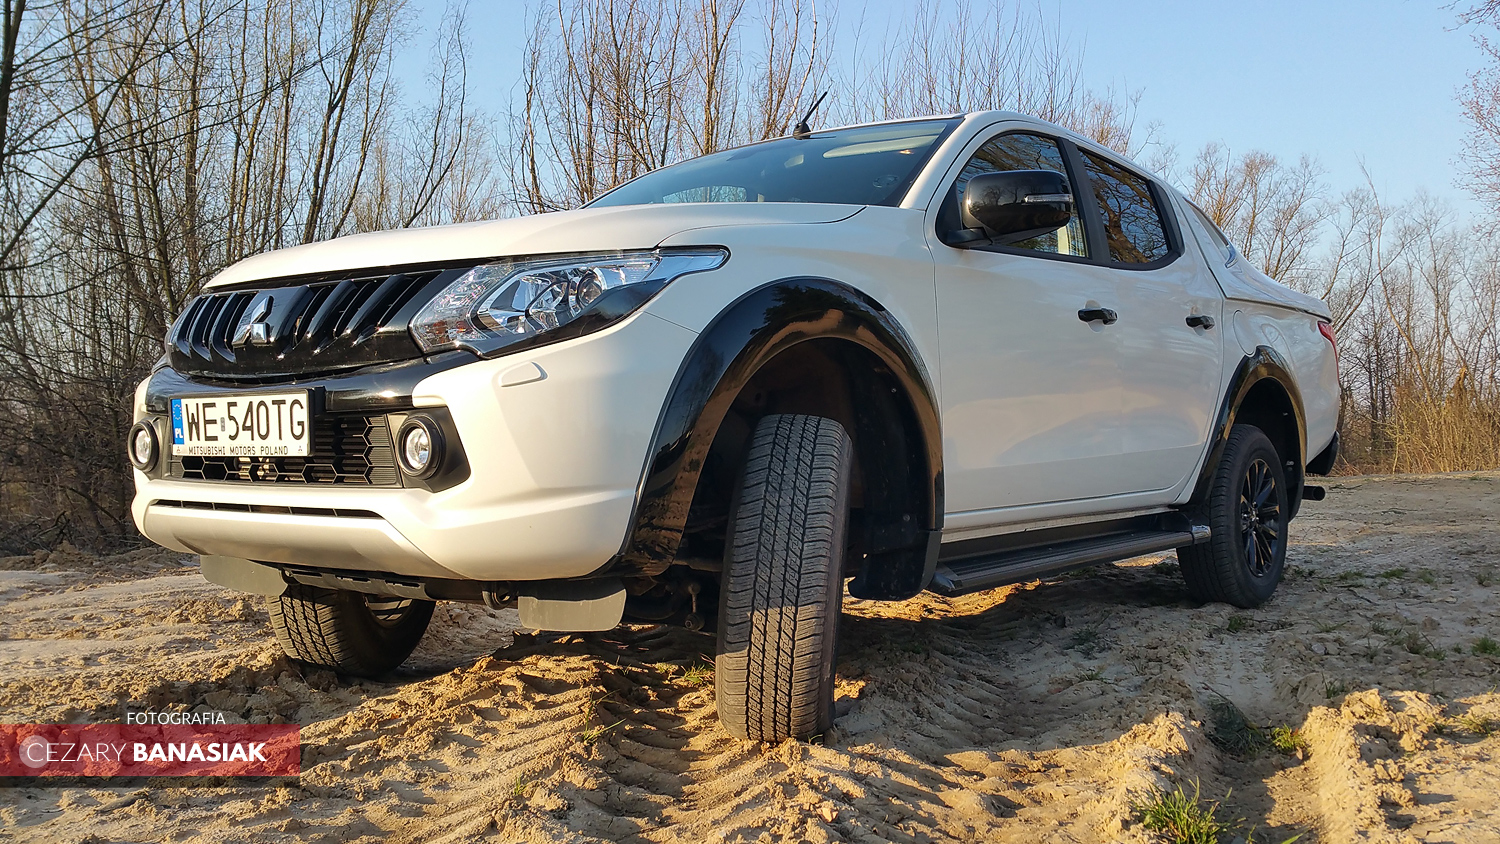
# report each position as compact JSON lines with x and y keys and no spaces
{"x":802,"y":131}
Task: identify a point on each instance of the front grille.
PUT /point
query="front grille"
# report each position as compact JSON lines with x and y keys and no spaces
{"x":293,"y":327}
{"x":347,"y":450}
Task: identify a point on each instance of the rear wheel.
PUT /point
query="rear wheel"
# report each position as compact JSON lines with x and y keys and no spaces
{"x":783,"y":581}
{"x":1247,"y":509}
{"x":349,"y":632}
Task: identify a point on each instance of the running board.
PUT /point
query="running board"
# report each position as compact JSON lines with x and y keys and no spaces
{"x":973,"y":574}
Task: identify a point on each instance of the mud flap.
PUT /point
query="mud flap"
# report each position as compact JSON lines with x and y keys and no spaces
{"x":576,"y":606}
{"x":242,"y":575}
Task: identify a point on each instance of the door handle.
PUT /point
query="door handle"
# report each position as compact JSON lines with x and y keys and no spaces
{"x":1105,"y":315}
{"x":1203,"y":321}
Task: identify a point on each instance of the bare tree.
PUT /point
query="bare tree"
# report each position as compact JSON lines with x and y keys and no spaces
{"x":149,"y":143}
{"x":616,"y":88}
{"x":1480,"y":101}
{"x":1273,"y":213}
{"x":994,"y":56}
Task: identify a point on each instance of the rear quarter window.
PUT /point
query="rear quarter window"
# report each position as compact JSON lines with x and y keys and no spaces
{"x":1214,"y":233}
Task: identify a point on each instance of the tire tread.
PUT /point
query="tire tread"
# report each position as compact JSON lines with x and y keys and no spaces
{"x":333,"y":628}
{"x":783,"y":580}
{"x":1213,"y":571}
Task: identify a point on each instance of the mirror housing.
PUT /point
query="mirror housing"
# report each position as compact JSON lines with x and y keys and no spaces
{"x":1016,"y":205}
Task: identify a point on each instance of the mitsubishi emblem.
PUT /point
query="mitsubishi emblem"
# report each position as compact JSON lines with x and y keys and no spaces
{"x":253,"y":328}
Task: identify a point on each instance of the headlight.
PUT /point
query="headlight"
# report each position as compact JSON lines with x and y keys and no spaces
{"x":498,"y":306}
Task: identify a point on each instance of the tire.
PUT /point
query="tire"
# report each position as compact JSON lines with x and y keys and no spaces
{"x":352,"y":633}
{"x":783,"y":581}
{"x":1247,"y":510}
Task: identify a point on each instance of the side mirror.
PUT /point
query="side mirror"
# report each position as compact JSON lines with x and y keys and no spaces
{"x":1016,"y":205}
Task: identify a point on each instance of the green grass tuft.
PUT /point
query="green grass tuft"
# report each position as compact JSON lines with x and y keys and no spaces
{"x":1334,"y":688}
{"x":699,"y":675}
{"x":1232,"y":731}
{"x":593,"y":734}
{"x":1087,"y":642}
{"x":1414,"y":642}
{"x":1182,"y":819}
{"x":1289,"y":741}
{"x":1237,"y":623}
{"x":1486,"y":647}
{"x":1394,"y":574}
{"x":1477,"y":724}
{"x":591,"y":706}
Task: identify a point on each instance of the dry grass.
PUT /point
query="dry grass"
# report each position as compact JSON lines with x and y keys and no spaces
{"x":1454,"y":432}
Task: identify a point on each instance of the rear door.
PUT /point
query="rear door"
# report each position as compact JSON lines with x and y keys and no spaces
{"x":1031,"y":393}
{"x":1170,"y":332}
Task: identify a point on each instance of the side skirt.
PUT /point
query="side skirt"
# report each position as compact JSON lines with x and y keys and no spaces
{"x":978,"y":564}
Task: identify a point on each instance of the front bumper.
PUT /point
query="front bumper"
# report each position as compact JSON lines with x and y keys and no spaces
{"x":555,"y":439}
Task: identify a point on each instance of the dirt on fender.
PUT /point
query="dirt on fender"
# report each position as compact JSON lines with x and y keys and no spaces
{"x":1041,"y":712}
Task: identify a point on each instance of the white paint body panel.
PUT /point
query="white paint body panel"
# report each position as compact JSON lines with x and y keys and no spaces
{"x":1259,"y":311}
{"x":1046,"y":420}
{"x":554,"y":466}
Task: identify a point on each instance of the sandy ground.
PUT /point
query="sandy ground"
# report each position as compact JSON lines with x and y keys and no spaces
{"x":1043,"y":712}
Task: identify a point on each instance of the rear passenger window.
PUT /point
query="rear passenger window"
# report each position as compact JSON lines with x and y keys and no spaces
{"x":1132,"y":223}
{"x":1019,"y":151}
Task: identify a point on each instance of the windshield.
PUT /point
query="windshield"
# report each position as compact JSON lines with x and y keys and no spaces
{"x":868,"y":165}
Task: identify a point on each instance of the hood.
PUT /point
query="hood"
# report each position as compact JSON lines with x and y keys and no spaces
{"x":583,"y":230}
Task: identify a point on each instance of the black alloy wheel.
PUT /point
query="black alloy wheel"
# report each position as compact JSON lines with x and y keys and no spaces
{"x":1246,"y":508}
{"x":1261,"y":528}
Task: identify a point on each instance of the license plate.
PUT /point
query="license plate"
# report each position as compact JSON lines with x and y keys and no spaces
{"x":267,"y":425}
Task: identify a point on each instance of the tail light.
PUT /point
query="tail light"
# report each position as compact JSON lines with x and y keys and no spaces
{"x":1326,"y":329}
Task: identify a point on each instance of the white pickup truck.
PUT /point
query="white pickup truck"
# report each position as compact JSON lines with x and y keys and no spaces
{"x":947,"y":354}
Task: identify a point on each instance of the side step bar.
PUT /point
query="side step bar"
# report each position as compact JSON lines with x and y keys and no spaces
{"x":973,"y":574}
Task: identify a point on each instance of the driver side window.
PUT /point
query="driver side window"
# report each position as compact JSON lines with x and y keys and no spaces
{"x":1020,"y":151}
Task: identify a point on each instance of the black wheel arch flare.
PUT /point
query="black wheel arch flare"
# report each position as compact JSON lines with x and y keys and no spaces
{"x":726,"y":356}
{"x":1265,"y":363}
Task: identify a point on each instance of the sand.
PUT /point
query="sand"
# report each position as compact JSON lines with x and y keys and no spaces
{"x":1043,"y":712}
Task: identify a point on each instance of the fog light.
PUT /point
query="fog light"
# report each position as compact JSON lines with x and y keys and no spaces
{"x":143,"y":446}
{"x":418,"y":452}
{"x":419,"y":446}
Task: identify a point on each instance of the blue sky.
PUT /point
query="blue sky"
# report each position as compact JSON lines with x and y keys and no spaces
{"x":1345,"y":81}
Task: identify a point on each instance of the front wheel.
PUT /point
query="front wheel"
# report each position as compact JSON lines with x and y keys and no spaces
{"x":783,"y":581}
{"x":1247,"y":510}
{"x":352,"y":633}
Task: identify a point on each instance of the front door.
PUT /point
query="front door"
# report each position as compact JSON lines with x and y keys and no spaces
{"x":1031,"y":393}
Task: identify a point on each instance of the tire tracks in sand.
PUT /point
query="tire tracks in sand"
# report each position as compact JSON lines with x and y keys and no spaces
{"x":1041,"y":712}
